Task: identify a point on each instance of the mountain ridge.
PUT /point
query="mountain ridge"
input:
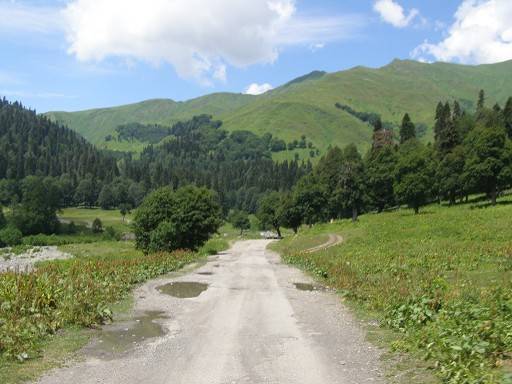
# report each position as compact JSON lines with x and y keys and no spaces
{"x":306,"y":105}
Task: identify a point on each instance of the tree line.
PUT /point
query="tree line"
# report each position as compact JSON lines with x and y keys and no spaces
{"x":40,"y":157}
{"x":471,"y":154}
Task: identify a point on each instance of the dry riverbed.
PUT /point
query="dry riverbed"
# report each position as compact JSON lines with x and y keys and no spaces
{"x":25,"y":261}
{"x":243,"y":317}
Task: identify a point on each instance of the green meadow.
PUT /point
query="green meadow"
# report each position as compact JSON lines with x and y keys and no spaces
{"x":441,"y":281}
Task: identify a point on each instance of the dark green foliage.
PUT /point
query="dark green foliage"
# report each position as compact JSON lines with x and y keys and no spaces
{"x":97,"y":226}
{"x":85,"y":193}
{"x":9,"y":192}
{"x":445,"y":130}
{"x":507,"y":117}
{"x":145,"y":133}
{"x":10,"y":236}
{"x":489,"y":160}
{"x":169,"y":220}
{"x":351,"y":188}
{"x":380,"y":173}
{"x":33,"y":145}
{"x":37,"y":212}
{"x":312,"y":199}
{"x":370,"y":118}
{"x":106,"y":198}
{"x":269,"y":211}
{"x":414,"y":176}
{"x":407,"y":129}
{"x":237,"y":165}
{"x":291,"y":213}
{"x":481,"y":101}
{"x":240,"y":220}
{"x":124,"y":209}
{"x":449,"y":175}
{"x":3,"y":222}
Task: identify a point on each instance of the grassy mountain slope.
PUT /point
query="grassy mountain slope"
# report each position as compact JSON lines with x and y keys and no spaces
{"x":95,"y":124}
{"x":307,"y":105}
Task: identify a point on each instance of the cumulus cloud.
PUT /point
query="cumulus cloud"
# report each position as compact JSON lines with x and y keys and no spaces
{"x":258,"y":89}
{"x":198,"y":38}
{"x":393,"y":13}
{"x":481,"y":34}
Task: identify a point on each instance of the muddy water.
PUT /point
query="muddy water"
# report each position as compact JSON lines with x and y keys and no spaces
{"x":115,"y":339}
{"x":305,"y":287}
{"x":183,"y":289}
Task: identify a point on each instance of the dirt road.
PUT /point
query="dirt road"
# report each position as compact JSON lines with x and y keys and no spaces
{"x":250,"y":325}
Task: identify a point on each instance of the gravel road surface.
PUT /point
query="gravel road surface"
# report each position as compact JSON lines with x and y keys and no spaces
{"x":250,"y":325}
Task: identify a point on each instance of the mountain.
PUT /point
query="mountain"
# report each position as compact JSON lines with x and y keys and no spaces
{"x":34,"y":145}
{"x":307,"y":105}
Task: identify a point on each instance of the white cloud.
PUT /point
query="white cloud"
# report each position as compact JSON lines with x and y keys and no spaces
{"x":198,"y":38}
{"x":481,"y":33}
{"x":258,"y":89}
{"x":393,"y":13}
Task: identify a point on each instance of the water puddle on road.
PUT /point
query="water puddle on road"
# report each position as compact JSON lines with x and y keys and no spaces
{"x":306,"y":287}
{"x":115,"y":339}
{"x":183,"y":289}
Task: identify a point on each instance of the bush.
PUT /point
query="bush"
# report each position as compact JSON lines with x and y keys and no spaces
{"x":97,"y":226}
{"x":184,"y":219}
{"x":72,"y":229}
{"x":10,"y":236}
{"x":111,"y":234}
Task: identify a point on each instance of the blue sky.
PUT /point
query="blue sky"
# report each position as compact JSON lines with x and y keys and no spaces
{"x":79,"y":54}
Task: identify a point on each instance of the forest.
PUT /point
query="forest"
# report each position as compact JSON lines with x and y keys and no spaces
{"x":45,"y":167}
{"x":471,"y":154}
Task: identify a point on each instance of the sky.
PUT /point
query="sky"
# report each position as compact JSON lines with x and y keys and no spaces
{"x":79,"y":54}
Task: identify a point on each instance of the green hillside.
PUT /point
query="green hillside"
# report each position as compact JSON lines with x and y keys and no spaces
{"x":307,"y":105}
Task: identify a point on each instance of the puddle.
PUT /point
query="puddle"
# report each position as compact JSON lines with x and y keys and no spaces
{"x":205,"y":273}
{"x":183,"y":289}
{"x":306,"y":287}
{"x":118,"y":338}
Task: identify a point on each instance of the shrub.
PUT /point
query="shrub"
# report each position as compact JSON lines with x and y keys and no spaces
{"x":10,"y":236}
{"x":184,"y":219}
{"x":97,"y":226}
{"x":111,"y":234}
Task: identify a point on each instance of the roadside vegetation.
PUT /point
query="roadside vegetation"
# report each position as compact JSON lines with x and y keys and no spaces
{"x":442,"y":280}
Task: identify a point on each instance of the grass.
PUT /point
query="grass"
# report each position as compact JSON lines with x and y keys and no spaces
{"x":307,"y":107}
{"x":441,"y":281}
{"x":85,"y":217}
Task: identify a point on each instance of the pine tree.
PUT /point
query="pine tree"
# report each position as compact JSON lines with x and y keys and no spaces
{"x":407,"y":129}
{"x":457,"y":111}
{"x":507,"y":117}
{"x":380,"y":167}
{"x":481,"y":101}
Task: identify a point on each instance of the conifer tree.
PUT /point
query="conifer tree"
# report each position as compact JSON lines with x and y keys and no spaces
{"x":407,"y":129}
{"x":507,"y":117}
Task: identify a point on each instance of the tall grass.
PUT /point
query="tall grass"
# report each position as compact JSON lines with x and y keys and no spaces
{"x":441,"y":279}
